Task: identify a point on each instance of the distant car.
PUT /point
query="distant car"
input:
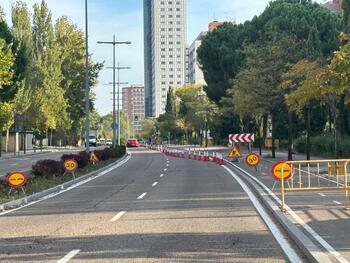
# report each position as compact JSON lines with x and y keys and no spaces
{"x":109,"y":142}
{"x":132,"y":143}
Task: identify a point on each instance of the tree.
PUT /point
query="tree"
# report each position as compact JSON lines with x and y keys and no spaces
{"x":7,"y":61}
{"x":72,"y":49}
{"x":197,"y":110}
{"x":148,"y":129}
{"x":6,"y":119}
{"x":50,"y":103}
{"x":304,"y":85}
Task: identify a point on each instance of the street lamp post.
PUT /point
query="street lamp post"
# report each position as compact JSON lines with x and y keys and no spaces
{"x":114,"y":43}
{"x":87,"y":89}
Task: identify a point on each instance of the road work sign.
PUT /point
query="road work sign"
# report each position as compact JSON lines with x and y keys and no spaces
{"x":70,"y":165}
{"x":16,"y":179}
{"x":244,"y":137}
{"x":252,"y":159}
{"x":93,"y":158}
{"x":234,"y":153}
{"x":277,"y":172}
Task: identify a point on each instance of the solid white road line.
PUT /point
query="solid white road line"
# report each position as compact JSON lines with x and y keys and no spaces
{"x":322,"y":194}
{"x":117,"y":216}
{"x":165,"y":169}
{"x":161,"y":175}
{"x":336,"y":202}
{"x":281,"y":240}
{"x":310,"y":230}
{"x":71,"y":187}
{"x":142,"y":196}
{"x":154,"y":184}
{"x":69,"y":256}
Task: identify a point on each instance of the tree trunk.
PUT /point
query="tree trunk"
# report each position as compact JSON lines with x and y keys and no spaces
{"x":0,"y":143}
{"x":273,"y":150}
{"x":290,"y":137}
{"x":7,"y":140}
{"x":308,"y":131}
{"x":259,"y":136}
{"x":265,"y":118}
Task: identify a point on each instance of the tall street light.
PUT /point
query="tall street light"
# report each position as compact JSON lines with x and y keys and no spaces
{"x":118,"y":100}
{"x":87,"y":88}
{"x":114,"y":124}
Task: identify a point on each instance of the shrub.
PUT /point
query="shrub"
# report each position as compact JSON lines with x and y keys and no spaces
{"x":48,"y":168}
{"x":82,"y":158}
{"x":118,"y":151}
{"x":323,"y":146}
{"x":102,"y":155}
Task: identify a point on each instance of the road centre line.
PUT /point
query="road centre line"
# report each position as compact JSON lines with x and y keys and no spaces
{"x":69,"y":256}
{"x":142,"y":196}
{"x":336,"y":202}
{"x":161,"y":175}
{"x":118,"y":216}
{"x":165,"y":169}
{"x":154,"y":184}
{"x":310,"y":230}
{"x":70,"y":187}
{"x":322,"y":194}
{"x":281,"y":240}
{"x":167,"y":164}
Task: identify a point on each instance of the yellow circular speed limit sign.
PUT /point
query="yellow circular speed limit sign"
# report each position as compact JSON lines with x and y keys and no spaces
{"x":16,"y":179}
{"x":252,"y":159}
{"x":277,"y":172}
{"x":70,"y":165}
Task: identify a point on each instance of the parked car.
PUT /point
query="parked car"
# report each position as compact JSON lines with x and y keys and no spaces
{"x":132,"y":143}
{"x":109,"y":142}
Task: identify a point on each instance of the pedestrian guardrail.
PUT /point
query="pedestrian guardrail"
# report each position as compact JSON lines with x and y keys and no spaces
{"x":315,"y":175}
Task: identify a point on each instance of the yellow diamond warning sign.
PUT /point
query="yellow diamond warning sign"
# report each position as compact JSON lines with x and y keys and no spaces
{"x":234,"y":153}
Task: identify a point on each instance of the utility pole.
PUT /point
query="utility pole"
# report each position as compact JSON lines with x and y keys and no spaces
{"x":87,"y":88}
{"x":118,"y":98}
{"x":114,"y":124}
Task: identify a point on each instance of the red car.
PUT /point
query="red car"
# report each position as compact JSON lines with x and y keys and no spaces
{"x":132,"y":143}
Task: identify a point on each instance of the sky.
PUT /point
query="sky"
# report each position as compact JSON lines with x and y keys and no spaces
{"x":124,"y":18}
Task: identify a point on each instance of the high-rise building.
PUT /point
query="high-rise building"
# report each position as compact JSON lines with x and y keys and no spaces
{"x":165,"y":51}
{"x":195,"y":74}
{"x":214,"y":25}
{"x":134,"y":105}
{"x":334,"y":6}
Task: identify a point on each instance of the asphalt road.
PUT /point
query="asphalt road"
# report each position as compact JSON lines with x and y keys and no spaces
{"x":148,"y":210}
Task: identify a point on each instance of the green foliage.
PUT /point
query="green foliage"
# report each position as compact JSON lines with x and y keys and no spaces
{"x":310,"y":28}
{"x":6,"y":116}
{"x":323,"y":146}
{"x":105,"y":127}
{"x":72,"y":48}
{"x":148,"y":128}
{"x":7,"y":61}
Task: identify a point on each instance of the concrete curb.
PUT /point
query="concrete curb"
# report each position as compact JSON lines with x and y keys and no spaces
{"x":304,"y":243}
{"x":56,"y":189}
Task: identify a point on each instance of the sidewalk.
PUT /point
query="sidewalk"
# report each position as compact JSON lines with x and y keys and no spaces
{"x":11,"y":155}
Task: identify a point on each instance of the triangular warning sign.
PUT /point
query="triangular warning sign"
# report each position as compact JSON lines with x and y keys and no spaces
{"x":93,"y":158}
{"x":234,"y":153}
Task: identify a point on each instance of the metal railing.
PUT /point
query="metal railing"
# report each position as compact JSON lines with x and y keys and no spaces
{"x":316,"y":175}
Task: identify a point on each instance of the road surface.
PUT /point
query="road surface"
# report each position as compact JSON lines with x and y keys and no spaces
{"x":149,"y":210}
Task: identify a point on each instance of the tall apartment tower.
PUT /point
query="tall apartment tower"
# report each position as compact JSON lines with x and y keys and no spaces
{"x":164,"y":50}
{"x":133,"y":105}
